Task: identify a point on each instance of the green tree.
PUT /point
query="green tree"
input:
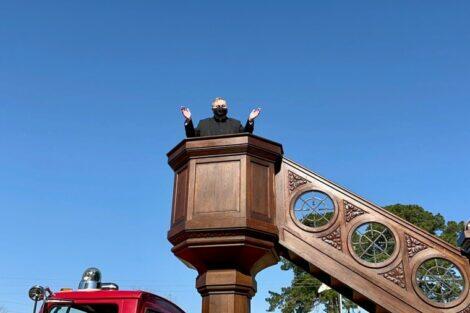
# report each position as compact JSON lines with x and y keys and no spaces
{"x":433,"y":223}
{"x":302,"y":295}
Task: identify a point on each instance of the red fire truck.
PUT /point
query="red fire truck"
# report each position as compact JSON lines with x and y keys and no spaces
{"x":93,"y":296}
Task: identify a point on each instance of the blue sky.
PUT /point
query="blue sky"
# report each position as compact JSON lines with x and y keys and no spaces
{"x":372,"y":95}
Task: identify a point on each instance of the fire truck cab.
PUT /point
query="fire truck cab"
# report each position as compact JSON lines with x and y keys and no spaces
{"x":93,"y":296}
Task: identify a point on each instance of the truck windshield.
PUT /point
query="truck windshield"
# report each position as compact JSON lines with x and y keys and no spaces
{"x":85,"y":308}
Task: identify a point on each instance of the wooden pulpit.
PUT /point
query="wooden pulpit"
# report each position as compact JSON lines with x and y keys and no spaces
{"x":223,"y":220}
{"x":238,"y":205}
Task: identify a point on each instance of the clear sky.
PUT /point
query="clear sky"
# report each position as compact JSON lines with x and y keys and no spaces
{"x":374,"y":95}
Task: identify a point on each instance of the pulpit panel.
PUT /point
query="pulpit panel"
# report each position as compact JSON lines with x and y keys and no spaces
{"x":217,"y":186}
{"x":180,"y":196}
{"x":261,"y":197}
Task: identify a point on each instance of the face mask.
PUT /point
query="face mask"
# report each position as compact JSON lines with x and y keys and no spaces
{"x":220,"y":112}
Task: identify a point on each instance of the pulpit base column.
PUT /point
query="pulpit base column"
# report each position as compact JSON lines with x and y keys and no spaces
{"x":225,"y":291}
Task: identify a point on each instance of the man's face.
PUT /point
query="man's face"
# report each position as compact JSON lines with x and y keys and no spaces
{"x":219,"y":104}
{"x":219,"y":107}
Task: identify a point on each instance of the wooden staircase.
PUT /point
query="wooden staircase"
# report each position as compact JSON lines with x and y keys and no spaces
{"x":395,"y":273}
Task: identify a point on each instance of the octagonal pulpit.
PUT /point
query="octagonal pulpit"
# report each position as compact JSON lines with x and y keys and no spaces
{"x":223,"y":215}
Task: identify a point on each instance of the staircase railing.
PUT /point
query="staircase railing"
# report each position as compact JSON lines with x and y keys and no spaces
{"x":375,"y":258}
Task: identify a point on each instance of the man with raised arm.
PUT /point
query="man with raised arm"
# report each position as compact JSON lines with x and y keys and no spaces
{"x":219,"y":124}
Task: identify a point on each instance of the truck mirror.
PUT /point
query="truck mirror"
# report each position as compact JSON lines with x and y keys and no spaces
{"x":36,"y":293}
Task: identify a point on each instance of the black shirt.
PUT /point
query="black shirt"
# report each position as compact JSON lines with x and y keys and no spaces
{"x":217,"y":126}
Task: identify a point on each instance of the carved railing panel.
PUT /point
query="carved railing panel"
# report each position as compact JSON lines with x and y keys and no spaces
{"x":375,"y":258}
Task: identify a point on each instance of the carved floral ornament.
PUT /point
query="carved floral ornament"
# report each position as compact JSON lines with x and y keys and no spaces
{"x":295,"y":181}
{"x":351,"y":211}
{"x":396,"y":276}
{"x":414,"y":246}
{"x":334,"y":239}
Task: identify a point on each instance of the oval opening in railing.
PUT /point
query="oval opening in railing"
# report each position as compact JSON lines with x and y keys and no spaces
{"x":314,"y":209}
{"x":373,"y":242}
{"x":440,"y":280}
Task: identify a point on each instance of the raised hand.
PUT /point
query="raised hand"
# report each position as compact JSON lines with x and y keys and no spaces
{"x":254,"y":114}
{"x":186,"y":113}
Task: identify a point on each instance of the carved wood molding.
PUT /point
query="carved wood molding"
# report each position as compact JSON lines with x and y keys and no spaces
{"x":334,"y":239}
{"x":396,"y":276}
{"x":414,"y":245}
{"x":351,"y":211}
{"x":220,"y":233}
{"x":295,"y":181}
{"x":466,"y":310}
